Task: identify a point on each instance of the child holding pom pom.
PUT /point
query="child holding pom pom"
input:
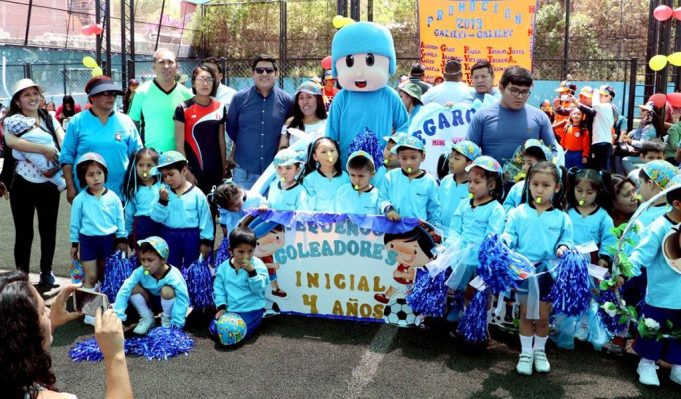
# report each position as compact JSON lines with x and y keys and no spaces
{"x":659,"y":252}
{"x":240,"y":286}
{"x":155,"y":284}
{"x":476,"y":218}
{"x":454,"y":186}
{"x":541,"y":231}
{"x":359,"y":196}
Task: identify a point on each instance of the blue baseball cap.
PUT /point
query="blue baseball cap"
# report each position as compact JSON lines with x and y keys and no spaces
{"x":467,"y":148}
{"x":539,"y":144}
{"x":485,"y":162}
{"x":660,"y":172}
{"x":168,"y":158}
{"x":408,"y":142}
{"x":159,"y":244}
{"x":395,"y":138}
{"x":286,"y":157}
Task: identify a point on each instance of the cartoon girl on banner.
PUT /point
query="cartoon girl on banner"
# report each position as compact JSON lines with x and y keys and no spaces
{"x":270,"y":236}
{"x":363,"y":59}
{"x":414,"y":250}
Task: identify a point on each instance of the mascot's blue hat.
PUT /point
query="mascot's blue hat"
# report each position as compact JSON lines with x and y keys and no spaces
{"x":363,"y":37}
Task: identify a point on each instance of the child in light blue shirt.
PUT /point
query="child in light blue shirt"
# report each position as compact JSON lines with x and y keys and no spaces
{"x":410,"y":191}
{"x":390,"y":160}
{"x":154,"y":282}
{"x":239,"y":288}
{"x":325,"y":175}
{"x":454,"y":186}
{"x":141,"y":190}
{"x":359,"y":196}
{"x":287,"y":193}
{"x":654,"y":177}
{"x":533,"y":151}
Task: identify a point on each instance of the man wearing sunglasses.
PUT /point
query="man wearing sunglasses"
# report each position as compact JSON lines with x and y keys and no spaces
{"x":154,"y":103}
{"x":100,"y":129}
{"x":254,"y":122}
{"x":501,"y":128}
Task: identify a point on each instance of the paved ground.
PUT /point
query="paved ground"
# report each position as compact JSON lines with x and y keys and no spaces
{"x":295,"y":357}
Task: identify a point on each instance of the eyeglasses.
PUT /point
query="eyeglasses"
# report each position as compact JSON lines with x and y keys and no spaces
{"x":107,"y":94}
{"x":519,"y":93}
{"x":260,"y":70}
{"x":205,"y":80}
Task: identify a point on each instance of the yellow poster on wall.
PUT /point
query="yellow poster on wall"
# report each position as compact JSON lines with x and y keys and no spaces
{"x":499,"y":31}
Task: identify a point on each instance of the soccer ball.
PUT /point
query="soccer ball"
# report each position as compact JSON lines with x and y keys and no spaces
{"x":231,"y":329}
{"x":508,"y":315}
{"x":399,"y":313}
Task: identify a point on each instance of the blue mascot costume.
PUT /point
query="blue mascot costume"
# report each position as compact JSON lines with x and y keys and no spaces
{"x":363,"y":59}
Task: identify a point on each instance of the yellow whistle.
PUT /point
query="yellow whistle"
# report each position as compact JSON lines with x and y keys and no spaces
{"x":639,"y":197}
{"x":386,"y":162}
{"x":331,"y":159}
{"x":356,"y":186}
{"x":538,"y":200}
{"x":146,"y":272}
{"x":409,"y":170}
{"x":470,"y":195}
{"x":581,"y":202}
{"x":145,"y":175}
{"x":283,"y":179}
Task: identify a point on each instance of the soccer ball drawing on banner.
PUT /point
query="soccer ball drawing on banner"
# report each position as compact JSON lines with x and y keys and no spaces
{"x":508,"y":316}
{"x":399,"y":313}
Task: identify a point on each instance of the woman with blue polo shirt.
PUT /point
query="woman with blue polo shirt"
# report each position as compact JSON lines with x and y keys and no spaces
{"x":100,"y":129}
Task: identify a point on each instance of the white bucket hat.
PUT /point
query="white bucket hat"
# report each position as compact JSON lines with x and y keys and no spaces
{"x":25,"y":84}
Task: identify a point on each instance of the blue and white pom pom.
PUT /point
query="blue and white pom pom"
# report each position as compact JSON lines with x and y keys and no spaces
{"x":499,"y":267}
{"x":222,"y":254}
{"x":199,"y":283}
{"x":116,"y":269}
{"x":473,"y":323}
{"x":367,"y":141}
{"x":428,"y":295}
{"x":571,"y":294}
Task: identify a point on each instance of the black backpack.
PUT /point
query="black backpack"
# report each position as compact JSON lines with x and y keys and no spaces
{"x":10,"y":163}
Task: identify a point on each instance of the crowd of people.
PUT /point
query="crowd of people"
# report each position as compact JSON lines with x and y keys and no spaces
{"x":154,"y":181}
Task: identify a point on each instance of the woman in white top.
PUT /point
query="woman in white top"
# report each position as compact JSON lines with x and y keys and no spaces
{"x":309,"y":115}
{"x":29,"y":188}
{"x":26,"y":326}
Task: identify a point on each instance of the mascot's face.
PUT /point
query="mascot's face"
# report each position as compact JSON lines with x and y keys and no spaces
{"x":408,"y":253}
{"x":363,"y":71}
{"x":268,"y":244}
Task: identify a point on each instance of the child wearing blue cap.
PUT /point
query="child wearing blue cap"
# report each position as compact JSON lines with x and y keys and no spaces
{"x":241,"y":283}
{"x":97,"y":222}
{"x":359,"y":196}
{"x":654,"y":177}
{"x":325,"y":175}
{"x":154,"y":284}
{"x":477,"y":217}
{"x":410,"y":191}
{"x":454,"y":186}
{"x":287,"y":193}
{"x":659,"y":253}
{"x":541,"y":231}
{"x":534,"y":151}
{"x":183,"y":210}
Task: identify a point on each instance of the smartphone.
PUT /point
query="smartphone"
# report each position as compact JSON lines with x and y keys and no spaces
{"x":88,"y":302}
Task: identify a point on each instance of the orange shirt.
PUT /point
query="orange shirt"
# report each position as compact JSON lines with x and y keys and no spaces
{"x":576,"y":139}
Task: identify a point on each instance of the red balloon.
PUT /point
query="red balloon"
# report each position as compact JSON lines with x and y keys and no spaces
{"x":326,"y":62}
{"x":674,"y":99}
{"x":677,"y":13}
{"x":97,"y":29}
{"x":86,"y":30}
{"x":658,"y":100}
{"x":663,"y":13}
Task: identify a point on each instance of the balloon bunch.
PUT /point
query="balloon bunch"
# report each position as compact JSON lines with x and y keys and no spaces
{"x":92,"y":29}
{"x":659,"y":100}
{"x":89,"y":62}
{"x":658,"y":62}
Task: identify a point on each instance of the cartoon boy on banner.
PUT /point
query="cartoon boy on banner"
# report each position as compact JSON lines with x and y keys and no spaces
{"x":363,"y":59}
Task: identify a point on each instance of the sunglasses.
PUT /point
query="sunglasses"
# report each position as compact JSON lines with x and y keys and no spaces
{"x":260,"y":70}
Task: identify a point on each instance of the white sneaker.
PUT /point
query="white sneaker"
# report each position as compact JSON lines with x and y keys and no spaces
{"x":582,"y":332}
{"x":89,"y":320}
{"x":525,"y":362}
{"x":676,"y":374}
{"x":144,"y":325}
{"x":647,"y":374}
{"x":541,"y":362}
{"x":166,"y":321}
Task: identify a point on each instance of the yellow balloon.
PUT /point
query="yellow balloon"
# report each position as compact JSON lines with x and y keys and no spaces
{"x":97,"y":71}
{"x":89,"y":62}
{"x":675,"y":58}
{"x":340,"y":21}
{"x":658,"y":62}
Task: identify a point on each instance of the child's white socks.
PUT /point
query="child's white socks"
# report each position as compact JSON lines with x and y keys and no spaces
{"x":140,"y":305}
{"x":526,"y":343}
{"x":167,"y":305}
{"x":540,"y":343}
